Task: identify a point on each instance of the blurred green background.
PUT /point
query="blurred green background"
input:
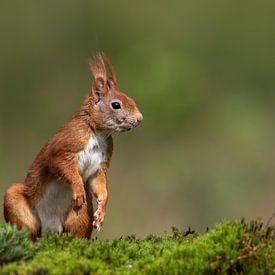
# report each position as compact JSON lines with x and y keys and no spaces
{"x":201,"y":72}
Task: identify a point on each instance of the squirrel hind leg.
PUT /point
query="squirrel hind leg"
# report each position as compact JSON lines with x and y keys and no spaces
{"x":18,"y":212}
{"x":80,"y":223}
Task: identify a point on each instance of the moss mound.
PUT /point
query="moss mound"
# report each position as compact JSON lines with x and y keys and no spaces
{"x":230,"y":248}
{"x":14,"y":244}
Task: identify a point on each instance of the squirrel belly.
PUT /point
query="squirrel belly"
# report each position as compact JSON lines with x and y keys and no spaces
{"x":55,"y":204}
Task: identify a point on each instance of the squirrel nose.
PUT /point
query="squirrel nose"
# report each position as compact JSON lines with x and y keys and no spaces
{"x":139,"y":118}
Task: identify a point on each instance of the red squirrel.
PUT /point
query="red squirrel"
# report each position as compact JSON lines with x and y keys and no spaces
{"x":56,"y":195}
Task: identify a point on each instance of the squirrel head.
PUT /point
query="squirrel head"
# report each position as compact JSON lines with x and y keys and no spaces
{"x":112,"y":110}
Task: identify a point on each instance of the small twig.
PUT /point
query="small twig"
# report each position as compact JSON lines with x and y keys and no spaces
{"x":249,"y":254}
{"x":188,"y":232}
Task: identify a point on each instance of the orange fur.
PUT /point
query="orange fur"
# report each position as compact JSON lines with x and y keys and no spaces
{"x":58,"y":161}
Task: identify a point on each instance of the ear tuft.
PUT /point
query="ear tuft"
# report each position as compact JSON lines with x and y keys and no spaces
{"x":97,"y":67}
{"x":111,"y":69}
{"x":102,"y":83}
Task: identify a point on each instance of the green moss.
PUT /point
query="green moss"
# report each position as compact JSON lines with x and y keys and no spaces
{"x":14,"y":244}
{"x":231,"y":247}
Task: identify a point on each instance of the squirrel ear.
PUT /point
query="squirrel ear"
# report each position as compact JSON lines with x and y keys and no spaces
{"x":99,"y":89}
{"x":111,"y":84}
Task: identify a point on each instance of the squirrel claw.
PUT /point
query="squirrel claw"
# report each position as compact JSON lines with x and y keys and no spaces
{"x":96,"y":226}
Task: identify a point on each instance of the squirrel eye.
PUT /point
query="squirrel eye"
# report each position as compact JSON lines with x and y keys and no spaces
{"x":116,"y":105}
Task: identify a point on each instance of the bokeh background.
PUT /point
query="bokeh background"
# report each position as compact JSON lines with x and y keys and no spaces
{"x":202,"y":73}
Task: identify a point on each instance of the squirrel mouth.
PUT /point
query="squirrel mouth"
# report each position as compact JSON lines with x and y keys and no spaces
{"x":125,"y":127}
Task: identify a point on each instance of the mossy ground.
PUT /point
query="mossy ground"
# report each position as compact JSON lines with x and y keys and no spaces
{"x":229,"y":248}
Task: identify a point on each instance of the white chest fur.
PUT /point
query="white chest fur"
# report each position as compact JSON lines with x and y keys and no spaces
{"x":92,"y":157}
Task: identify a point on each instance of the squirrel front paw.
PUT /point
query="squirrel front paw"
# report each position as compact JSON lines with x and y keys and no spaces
{"x":98,"y":219}
{"x":79,"y":198}
{"x":99,"y":216}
